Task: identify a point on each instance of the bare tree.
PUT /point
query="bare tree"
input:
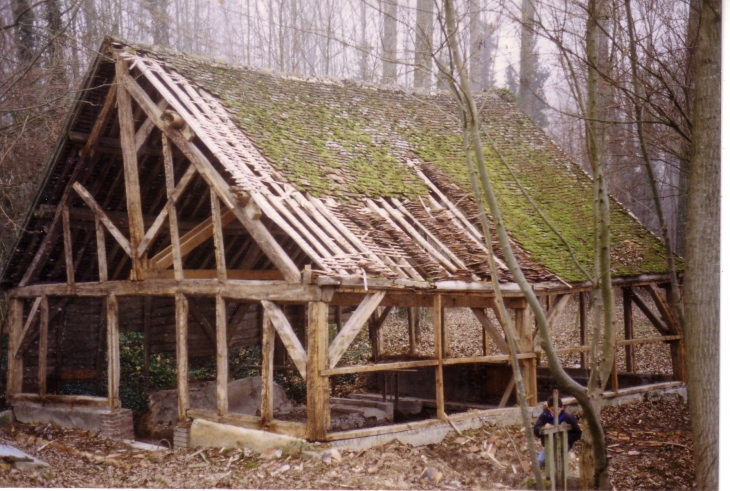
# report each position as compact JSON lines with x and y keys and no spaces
{"x":424,"y":43}
{"x":390,"y":41}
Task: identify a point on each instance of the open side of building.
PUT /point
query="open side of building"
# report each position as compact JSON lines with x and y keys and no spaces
{"x":212,"y":207}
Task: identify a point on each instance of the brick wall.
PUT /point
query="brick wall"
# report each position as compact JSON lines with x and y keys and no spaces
{"x":117,"y":425}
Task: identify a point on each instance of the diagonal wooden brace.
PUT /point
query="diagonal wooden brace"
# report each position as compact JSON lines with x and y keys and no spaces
{"x":352,"y":327}
{"x":288,"y":337}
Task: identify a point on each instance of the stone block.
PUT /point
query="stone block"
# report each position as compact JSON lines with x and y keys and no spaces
{"x":209,"y":434}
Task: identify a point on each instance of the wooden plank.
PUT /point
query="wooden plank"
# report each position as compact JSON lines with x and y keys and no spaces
{"x":486,"y":359}
{"x":181,"y":341}
{"x":113,"y":360}
{"x":207,"y":327}
{"x":318,"y":410}
{"x":380,"y":367}
{"x":86,"y":154}
{"x":171,"y":210}
{"x":437,"y":318}
{"x":267,"y":368}
{"x":220,"y":256}
{"x":490,"y":329}
{"x":15,"y":362}
{"x":189,"y":241}
{"x":131,"y":171}
{"x":628,"y":329}
{"x":231,"y":274}
{"x":382,"y":430}
{"x":24,"y":332}
{"x":655,"y":321}
{"x":172,"y":197}
{"x":91,"y":203}
{"x":68,"y":246}
{"x":352,"y":327}
{"x":221,"y":356}
{"x":638,"y":341}
{"x":258,"y":231}
{"x":254,"y":291}
{"x":288,"y":336}
{"x":43,"y":348}
{"x":101,"y":249}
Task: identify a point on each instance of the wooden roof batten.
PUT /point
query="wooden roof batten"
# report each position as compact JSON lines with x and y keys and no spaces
{"x":430,"y":243}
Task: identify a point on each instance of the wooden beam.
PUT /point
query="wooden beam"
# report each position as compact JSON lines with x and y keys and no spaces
{"x":189,"y":241}
{"x":267,"y":369}
{"x":258,"y":231}
{"x":144,"y":131}
{"x":24,"y":332}
{"x":221,"y":356}
{"x":439,"y":371}
{"x":86,"y":154}
{"x":181,"y":337}
{"x":254,"y":291}
{"x":288,"y":336}
{"x":131,"y":170}
{"x":113,"y":360}
{"x":101,"y":249}
{"x":15,"y":362}
{"x":665,"y":310}
{"x":412,"y":343}
{"x":43,"y":348}
{"x":68,"y":246}
{"x":212,"y":274}
{"x":352,"y":327}
{"x":490,"y":329}
{"x":628,"y":329}
{"x":219,"y":246}
{"x":91,"y":203}
{"x":156,"y":226}
{"x":176,"y":253}
{"x":318,"y":407}
{"x":655,"y":321}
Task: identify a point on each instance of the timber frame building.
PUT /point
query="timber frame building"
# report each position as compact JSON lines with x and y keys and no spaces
{"x":212,"y":207}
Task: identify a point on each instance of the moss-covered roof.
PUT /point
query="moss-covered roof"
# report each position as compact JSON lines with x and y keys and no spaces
{"x":351,"y":141}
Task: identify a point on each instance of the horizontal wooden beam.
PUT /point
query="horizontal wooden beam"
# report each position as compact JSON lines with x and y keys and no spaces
{"x":255,"y":291}
{"x":231,"y":274}
{"x":25,"y":399}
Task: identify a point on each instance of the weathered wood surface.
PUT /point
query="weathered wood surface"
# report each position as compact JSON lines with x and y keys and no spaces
{"x":101,"y":250}
{"x":293,"y":346}
{"x":267,"y":369}
{"x":96,"y":208}
{"x":113,"y":360}
{"x":181,"y":331}
{"x":318,"y":410}
{"x":438,"y":348}
{"x":171,"y":210}
{"x":352,"y":327}
{"x":68,"y":246}
{"x":221,"y":345}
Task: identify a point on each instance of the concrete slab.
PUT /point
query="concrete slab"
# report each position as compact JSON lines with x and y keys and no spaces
{"x":78,"y":417}
{"x":18,"y":458}
{"x":209,"y":434}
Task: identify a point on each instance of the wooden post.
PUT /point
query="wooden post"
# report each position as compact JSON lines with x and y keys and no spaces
{"x":68,"y":246}
{"x":146,"y":323}
{"x":112,"y":343}
{"x":318,"y":411}
{"x":582,"y":324}
{"x":181,"y":335}
{"x":15,"y":364}
{"x":438,"y":339}
{"x":221,"y":345}
{"x":131,"y":171}
{"x":412,"y":331}
{"x":268,"y":336}
{"x":101,"y":250}
{"x":220,"y":255}
{"x":628,"y":329}
{"x":43,"y":348}
{"x":523,"y":326}
{"x":172,"y":210}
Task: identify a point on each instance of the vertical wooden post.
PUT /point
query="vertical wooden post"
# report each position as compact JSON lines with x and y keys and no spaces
{"x":528,"y":367}
{"x":15,"y":364}
{"x":268,"y":336}
{"x":112,"y":343}
{"x":438,"y":340}
{"x":318,"y":410}
{"x":172,"y":210}
{"x":147,"y":322}
{"x":220,"y":255}
{"x":221,"y":343}
{"x":412,"y":331}
{"x":582,"y":324}
{"x":181,"y":335}
{"x":628,"y":329}
{"x":43,"y":348}
{"x":101,"y":250}
{"x":131,"y":171}
{"x":68,"y":246}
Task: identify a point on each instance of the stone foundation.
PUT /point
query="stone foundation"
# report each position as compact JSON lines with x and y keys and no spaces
{"x":117,"y":425}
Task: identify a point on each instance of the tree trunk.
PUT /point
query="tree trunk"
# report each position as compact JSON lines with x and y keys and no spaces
{"x":390,"y":41}
{"x":424,"y":42}
{"x":24,"y":38}
{"x":702,"y":266}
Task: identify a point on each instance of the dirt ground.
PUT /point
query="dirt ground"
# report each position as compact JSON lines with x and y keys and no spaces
{"x":650,"y":447}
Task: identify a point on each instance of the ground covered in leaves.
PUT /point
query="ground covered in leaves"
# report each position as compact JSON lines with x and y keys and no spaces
{"x":649,"y":443}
